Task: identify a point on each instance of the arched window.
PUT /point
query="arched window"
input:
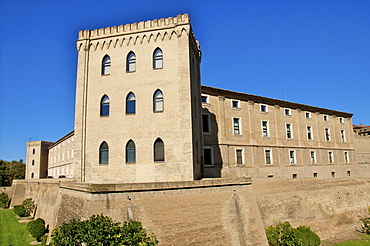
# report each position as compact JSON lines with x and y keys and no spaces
{"x":158,"y":58}
{"x":158,"y":150}
{"x":131,"y":103}
{"x":158,"y":101}
{"x":103,"y":153}
{"x":104,"y":106}
{"x":33,"y":162}
{"x":32,"y":175}
{"x":131,"y":62}
{"x":105,"y":68}
{"x":130,"y":152}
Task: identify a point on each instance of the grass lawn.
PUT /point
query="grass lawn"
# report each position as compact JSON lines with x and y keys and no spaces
{"x":13,"y":233}
{"x":359,"y":242}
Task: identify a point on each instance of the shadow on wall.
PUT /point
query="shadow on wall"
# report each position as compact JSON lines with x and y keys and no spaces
{"x":212,"y":152}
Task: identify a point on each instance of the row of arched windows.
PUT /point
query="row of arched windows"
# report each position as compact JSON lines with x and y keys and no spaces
{"x":158,"y":152}
{"x":131,"y":103}
{"x":131,"y":62}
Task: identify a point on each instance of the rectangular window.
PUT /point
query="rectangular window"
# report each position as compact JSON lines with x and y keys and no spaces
{"x":308,"y":115}
{"x":333,"y":174}
{"x":287,"y":112}
{"x":265,"y":130}
{"x":289,"y":131}
{"x":315,"y":175}
{"x":309,"y":132}
{"x":331,"y":160}
{"x":343,"y":136}
{"x":326,"y":117}
{"x":264,"y":108}
{"x":208,"y":156}
{"x":327,"y":134}
{"x":313,"y":157}
{"x":346,"y":159}
{"x":349,"y":173}
{"x":292,"y":157}
{"x":236,"y":125}
{"x":204,"y":98}
{"x":341,"y":120}
{"x":235,"y":104}
{"x":239,"y":156}
{"x":295,"y":176}
{"x":206,"y":123}
{"x":268,"y":156}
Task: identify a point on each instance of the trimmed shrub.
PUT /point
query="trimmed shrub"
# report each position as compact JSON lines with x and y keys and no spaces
{"x":365,"y":225}
{"x":20,"y":210}
{"x":36,"y":228}
{"x":306,"y":236}
{"x":4,"y":200}
{"x":281,"y":234}
{"x":29,"y":205}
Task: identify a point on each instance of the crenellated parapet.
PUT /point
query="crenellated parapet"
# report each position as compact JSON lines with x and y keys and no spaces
{"x":137,"y":33}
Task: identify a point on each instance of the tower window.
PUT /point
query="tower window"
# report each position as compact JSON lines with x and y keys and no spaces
{"x":131,"y":103}
{"x":131,"y":62}
{"x":105,"y":68}
{"x":158,"y":101}
{"x":104,"y":106}
{"x":103,"y":153}
{"x":208,"y":156}
{"x":158,"y":150}
{"x":158,"y":58}
{"x":130,"y":152}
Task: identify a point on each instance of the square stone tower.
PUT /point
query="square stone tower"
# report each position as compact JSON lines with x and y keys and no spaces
{"x":138,"y":106}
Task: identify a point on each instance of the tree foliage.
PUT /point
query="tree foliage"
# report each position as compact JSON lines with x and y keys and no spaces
{"x":29,"y":205}
{"x":365,"y":225}
{"x":4,"y":200}
{"x":11,"y":170}
{"x":20,"y":210}
{"x":101,"y":230}
{"x":306,"y":236}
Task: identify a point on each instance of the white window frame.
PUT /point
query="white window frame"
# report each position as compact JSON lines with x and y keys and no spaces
{"x":343,"y":136}
{"x":313,"y":158}
{"x":341,"y":120}
{"x":308,"y":114}
{"x":212,"y":161}
{"x":289,"y":130}
{"x":346,"y":157}
{"x":327,"y":134}
{"x":309,"y":131}
{"x":292,"y":160}
{"x":236,"y":156}
{"x":326,"y":118}
{"x":207,"y":98}
{"x":267,"y":129}
{"x":264,"y":106}
{"x":287,"y":112}
{"x":331,"y":157}
{"x":237,"y":104}
{"x":264,"y":153}
{"x":239,"y":125}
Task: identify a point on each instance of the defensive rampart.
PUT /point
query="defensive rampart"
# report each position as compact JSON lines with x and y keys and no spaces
{"x":206,"y":212}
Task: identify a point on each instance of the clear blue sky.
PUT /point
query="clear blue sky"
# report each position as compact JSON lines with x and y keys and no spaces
{"x":318,"y":50}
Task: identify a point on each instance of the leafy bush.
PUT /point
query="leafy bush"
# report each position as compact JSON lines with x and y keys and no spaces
{"x":20,"y":210}
{"x":306,"y":236}
{"x":365,"y":225}
{"x":29,"y":205}
{"x":4,"y":200}
{"x":282,"y":234}
{"x":36,"y":228}
{"x":41,"y":221}
{"x":101,"y":230}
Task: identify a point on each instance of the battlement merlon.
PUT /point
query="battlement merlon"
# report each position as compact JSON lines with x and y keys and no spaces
{"x":150,"y":25}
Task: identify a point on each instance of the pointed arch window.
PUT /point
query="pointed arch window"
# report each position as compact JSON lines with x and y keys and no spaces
{"x":130,"y":152}
{"x":103,"y":153}
{"x":131,"y":103}
{"x":158,"y":101}
{"x":158,"y":150}
{"x":105,"y":68}
{"x":131,"y":62}
{"x":104,"y":106}
{"x":157,"y":58}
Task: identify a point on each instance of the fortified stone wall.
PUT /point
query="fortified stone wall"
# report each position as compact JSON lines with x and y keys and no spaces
{"x":207,"y":212}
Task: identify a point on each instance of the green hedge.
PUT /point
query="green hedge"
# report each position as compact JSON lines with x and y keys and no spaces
{"x":36,"y":228}
{"x":21,"y":211}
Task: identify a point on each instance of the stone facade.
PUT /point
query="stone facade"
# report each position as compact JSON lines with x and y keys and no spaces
{"x":37,"y":159}
{"x":259,"y":137}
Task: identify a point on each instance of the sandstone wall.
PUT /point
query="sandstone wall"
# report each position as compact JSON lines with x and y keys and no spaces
{"x":207,"y":212}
